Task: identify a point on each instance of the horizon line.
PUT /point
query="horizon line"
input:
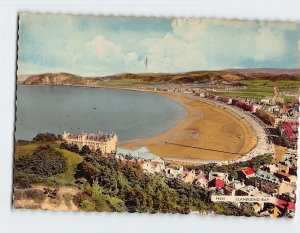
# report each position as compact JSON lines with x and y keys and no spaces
{"x":184,"y":72}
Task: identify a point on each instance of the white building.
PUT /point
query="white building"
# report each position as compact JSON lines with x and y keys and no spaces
{"x":174,"y":171}
{"x":153,"y":166}
{"x":106,"y":143}
{"x":218,"y":175}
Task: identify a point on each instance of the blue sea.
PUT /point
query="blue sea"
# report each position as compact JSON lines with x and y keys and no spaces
{"x":130,"y":114}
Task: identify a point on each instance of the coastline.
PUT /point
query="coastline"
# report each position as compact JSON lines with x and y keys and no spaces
{"x":206,"y":133}
{"x":204,"y":127}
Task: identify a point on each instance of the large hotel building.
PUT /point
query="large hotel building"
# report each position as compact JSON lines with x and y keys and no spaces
{"x":106,"y":143}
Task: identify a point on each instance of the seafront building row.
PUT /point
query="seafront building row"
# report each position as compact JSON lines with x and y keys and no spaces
{"x":270,"y":180}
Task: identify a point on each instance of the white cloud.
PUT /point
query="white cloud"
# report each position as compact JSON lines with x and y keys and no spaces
{"x":269,"y":44}
{"x":104,"y":48}
{"x":59,"y":43}
{"x":213,"y":44}
{"x":170,"y":53}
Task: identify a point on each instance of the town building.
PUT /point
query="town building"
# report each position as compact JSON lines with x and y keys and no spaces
{"x":188,"y":176}
{"x":153,"y":166}
{"x":106,"y":143}
{"x":289,"y":133}
{"x":245,"y":175}
{"x":174,"y":171}
{"x":201,"y":180}
{"x":217,"y":179}
{"x":266,"y":182}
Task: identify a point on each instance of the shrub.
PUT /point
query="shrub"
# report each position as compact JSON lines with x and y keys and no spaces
{"x":70,"y":147}
{"x":47,"y":161}
{"x":34,"y":194}
{"x":45,"y":137}
{"x":67,"y":198}
{"x":18,"y":194}
{"x":88,"y":206}
{"x":23,"y":180}
{"x":85,"y":150}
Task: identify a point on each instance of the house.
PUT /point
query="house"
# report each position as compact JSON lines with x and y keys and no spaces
{"x":218,"y":175}
{"x":245,"y":175}
{"x":289,"y":133}
{"x":201,"y":180}
{"x":287,"y":188}
{"x":250,"y":190}
{"x":266,"y":182}
{"x":224,"y":99}
{"x":266,"y":100}
{"x":174,"y":171}
{"x":286,"y":205}
{"x":153,"y":166}
{"x":216,"y":183}
{"x":283,"y":176}
{"x":188,"y":176}
{"x":236,"y":184}
{"x":229,"y":190}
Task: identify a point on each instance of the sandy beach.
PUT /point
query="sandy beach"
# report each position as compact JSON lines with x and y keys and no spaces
{"x":207,"y":132}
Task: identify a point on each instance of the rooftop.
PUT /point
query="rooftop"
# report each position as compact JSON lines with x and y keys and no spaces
{"x":141,"y":153}
{"x":260,"y":174}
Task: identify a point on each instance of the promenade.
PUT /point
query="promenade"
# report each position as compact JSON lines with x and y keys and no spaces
{"x":262,"y":146}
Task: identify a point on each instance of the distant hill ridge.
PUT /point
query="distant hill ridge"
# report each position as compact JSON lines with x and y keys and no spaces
{"x":230,"y":75}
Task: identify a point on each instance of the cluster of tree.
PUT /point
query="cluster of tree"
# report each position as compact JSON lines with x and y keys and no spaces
{"x":232,"y":169}
{"x":70,"y":147}
{"x":85,"y":150}
{"x":45,"y":161}
{"x":112,"y":185}
{"x":45,"y":137}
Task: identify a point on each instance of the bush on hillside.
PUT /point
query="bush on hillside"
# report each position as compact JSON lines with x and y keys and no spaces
{"x":45,"y":137}
{"x":45,"y":161}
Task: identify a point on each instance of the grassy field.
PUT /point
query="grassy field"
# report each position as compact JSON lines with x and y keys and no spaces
{"x":28,"y":148}
{"x":72,"y":160}
{"x":263,"y":88}
{"x":124,"y":83}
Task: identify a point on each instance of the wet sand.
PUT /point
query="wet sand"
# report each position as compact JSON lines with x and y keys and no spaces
{"x":207,"y":132}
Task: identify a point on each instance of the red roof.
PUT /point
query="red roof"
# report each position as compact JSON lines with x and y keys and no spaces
{"x":249,"y":171}
{"x":291,"y":206}
{"x":281,"y":203}
{"x":219,"y":183}
{"x":290,"y":130}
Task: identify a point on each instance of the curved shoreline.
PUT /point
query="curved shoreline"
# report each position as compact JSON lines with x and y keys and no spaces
{"x":203,"y":120}
{"x":203,"y":129}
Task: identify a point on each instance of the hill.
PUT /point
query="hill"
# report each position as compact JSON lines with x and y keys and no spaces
{"x":188,"y":77}
{"x":53,"y":79}
{"x":238,"y":77}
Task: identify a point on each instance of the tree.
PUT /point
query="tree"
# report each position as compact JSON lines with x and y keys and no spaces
{"x":45,"y":137}
{"x":85,"y":150}
{"x":70,"y":147}
{"x":74,"y":148}
{"x":47,"y":161}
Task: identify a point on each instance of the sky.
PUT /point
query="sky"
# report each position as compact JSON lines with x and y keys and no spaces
{"x":105,"y":45}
